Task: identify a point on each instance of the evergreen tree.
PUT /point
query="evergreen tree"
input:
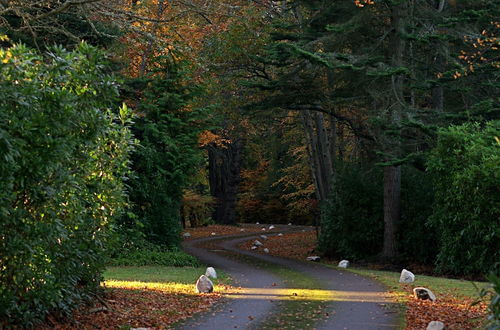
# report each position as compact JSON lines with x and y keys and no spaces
{"x":167,"y":128}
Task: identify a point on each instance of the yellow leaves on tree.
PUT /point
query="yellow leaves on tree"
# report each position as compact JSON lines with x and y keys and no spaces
{"x":208,"y":137}
{"x":362,"y":3}
{"x":485,"y":43}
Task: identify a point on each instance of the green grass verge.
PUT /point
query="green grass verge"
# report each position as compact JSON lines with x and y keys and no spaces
{"x":438,"y":285}
{"x":185,"y":275}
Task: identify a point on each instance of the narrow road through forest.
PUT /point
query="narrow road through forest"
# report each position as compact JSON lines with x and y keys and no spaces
{"x":352,"y":301}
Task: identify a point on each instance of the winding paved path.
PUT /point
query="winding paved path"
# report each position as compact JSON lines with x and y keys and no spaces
{"x":357,"y":302}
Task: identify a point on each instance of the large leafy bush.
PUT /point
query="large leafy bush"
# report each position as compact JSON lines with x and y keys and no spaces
{"x":63,"y":158}
{"x":465,"y":164}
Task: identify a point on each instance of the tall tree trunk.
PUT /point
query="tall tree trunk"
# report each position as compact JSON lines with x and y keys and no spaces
{"x":332,"y":132}
{"x":319,"y":150}
{"x":313,"y":153}
{"x":224,"y":175}
{"x":324,"y":150}
{"x":437,"y":92}
{"x":392,"y":198}
{"x":392,"y":174}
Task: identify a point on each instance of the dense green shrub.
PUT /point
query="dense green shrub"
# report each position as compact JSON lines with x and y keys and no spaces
{"x":352,"y":219}
{"x":417,"y":242}
{"x":491,"y":293}
{"x":153,"y":255}
{"x":63,"y":157}
{"x":465,"y":166}
{"x":129,"y":247}
{"x":168,"y":154}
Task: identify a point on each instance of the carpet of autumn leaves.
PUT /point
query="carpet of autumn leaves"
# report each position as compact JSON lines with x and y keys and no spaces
{"x":146,"y":307}
{"x":455,"y":313}
{"x":220,"y":230}
{"x":298,"y":245}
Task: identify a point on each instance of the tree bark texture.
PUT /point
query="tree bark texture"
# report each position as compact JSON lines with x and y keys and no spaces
{"x":392,"y":209}
{"x":224,"y":164}
{"x":319,"y":146}
{"x":392,"y":174}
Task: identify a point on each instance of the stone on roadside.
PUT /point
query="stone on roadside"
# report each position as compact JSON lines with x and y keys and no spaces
{"x":210,"y":272}
{"x":271,"y":227}
{"x":257,"y":223}
{"x":289,"y":223}
{"x":313,"y":258}
{"x":424,"y":294}
{"x":213,"y":234}
{"x":263,"y":229}
{"x":257,"y":243}
{"x":204,"y":285}
{"x":406,"y":277}
{"x":186,"y":235}
{"x":266,"y":250}
{"x":263,"y":236}
{"x":435,"y":325}
{"x":253,"y":247}
{"x":343,"y":264}
{"x":280,"y":234}
{"x":242,"y":229}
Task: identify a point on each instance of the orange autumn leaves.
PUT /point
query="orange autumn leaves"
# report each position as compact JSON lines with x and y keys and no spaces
{"x":455,"y":313}
{"x":219,"y":230}
{"x":147,"y":308}
{"x":362,"y":3}
{"x":297,"y":245}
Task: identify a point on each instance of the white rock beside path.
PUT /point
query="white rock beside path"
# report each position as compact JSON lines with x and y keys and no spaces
{"x":343,"y":264}
{"x":266,"y":250}
{"x":435,"y":325}
{"x":204,"y":285}
{"x":313,"y":258}
{"x":424,"y":294}
{"x":406,"y":277}
{"x":263,"y":236}
{"x":280,"y":234}
{"x":210,"y":272}
{"x":271,"y":227}
{"x":186,"y":235}
{"x":257,"y":243}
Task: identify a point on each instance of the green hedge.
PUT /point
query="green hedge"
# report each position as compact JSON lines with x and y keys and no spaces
{"x":465,"y":165}
{"x":154,"y":257}
{"x":63,"y":157}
